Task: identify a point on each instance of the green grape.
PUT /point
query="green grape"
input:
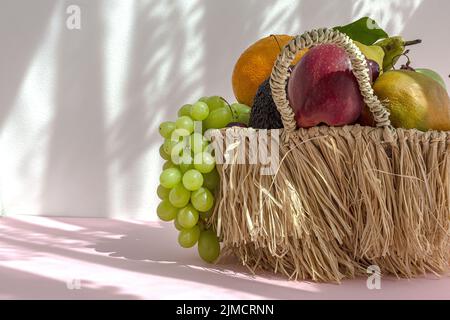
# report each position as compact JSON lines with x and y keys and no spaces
{"x":204,"y":162}
{"x":234,"y":113}
{"x":241,"y":108}
{"x":192,"y":180}
{"x":186,"y":123}
{"x":178,"y":154}
{"x":197,"y":142}
{"x":201,"y":223}
{"x":166,"y":211}
{"x":186,"y":161}
{"x":187,"y":217}
{"x":179,"y":196}
{"x":166,"y":128}
{"x":177,"y":225}
{"x":199,"y":111}
{"x":185,"y":110}
{"x":218,"y":118}
{"x":216,"y":102}
{"x":204,"y":99}
{"x":202,"y":199}
{"x":163,"y":193}
{"x":179,"y":134}
{"x":209,"y":148}
{"x":211,"y":179}
{"x":168,"y":146}
{"x":198,"y":127}
{"x":242,"y":111}
{"x":169,"y":178}
{"x":206,"y":215}
{"x":168,"y":164}
{"x":208,"y":246}
{"x":244,"y":118}
{"x":187,"y":238}
{"x":185,"y":167}
{"x":176,"y":143}
{"x":163,"y":153}
{"x":181,"y":154}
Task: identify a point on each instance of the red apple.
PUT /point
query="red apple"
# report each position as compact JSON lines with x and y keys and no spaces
{"x":323,"y":90}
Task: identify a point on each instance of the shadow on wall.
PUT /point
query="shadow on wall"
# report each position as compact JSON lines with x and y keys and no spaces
{"x":85,"y":148}
{"x":19,"y":44}
{"x":155,"y":86}
{"x":77,"y":163}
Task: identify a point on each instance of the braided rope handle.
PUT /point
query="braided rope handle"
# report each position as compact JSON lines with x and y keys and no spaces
{"x":280,"y":74}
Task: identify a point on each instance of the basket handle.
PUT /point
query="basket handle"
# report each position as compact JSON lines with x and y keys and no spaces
{"x":280,"y":74}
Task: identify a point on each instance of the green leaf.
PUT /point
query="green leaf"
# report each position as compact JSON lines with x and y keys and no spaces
{"x":364,"y":30}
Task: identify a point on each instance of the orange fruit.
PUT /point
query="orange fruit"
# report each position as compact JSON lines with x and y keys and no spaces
{"x":255,"y":65}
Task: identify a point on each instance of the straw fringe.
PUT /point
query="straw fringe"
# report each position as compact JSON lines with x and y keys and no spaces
{"x":341,"y":200}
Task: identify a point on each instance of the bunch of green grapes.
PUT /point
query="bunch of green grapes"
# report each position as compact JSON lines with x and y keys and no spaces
{"x":190,"y":178}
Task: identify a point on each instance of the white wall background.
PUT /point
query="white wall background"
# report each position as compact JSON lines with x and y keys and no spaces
{"x":79,"y":110}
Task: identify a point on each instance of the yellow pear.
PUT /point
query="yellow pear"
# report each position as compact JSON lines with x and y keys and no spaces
{"x":414,"y":100}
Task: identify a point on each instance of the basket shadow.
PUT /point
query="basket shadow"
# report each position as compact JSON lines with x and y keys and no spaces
{"x":147,"y":249}
{"x":157,"y":247}
{"x":18,"y":284}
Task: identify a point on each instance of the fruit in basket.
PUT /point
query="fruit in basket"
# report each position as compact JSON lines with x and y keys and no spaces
{"x":374,"y":70}
{"x":434,"y":75}
{"x":215,"y":102}
{"x":185,"y":110}
{"x":414,"y":100}
{"x":323,"y":90}
{"x":199,"y":111}
{"x":393,"y":48}
{"x":428,"y":72}
{"x":208,"y":246}
{"x":185,"y":123}
{"x":374,"y":53}
{"x":218,"y":118}
{"x":255,"y":65}
{"x":264,"y":113}
{"x":241,"y":113}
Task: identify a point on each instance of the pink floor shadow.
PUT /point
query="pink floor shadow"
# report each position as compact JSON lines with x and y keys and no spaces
{"x":82,"y":258}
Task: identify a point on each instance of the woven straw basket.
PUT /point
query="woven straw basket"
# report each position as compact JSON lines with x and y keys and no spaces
{"x":342,"y":199}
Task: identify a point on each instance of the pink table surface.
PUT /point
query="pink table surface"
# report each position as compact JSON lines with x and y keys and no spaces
{"x":79,"y":258}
